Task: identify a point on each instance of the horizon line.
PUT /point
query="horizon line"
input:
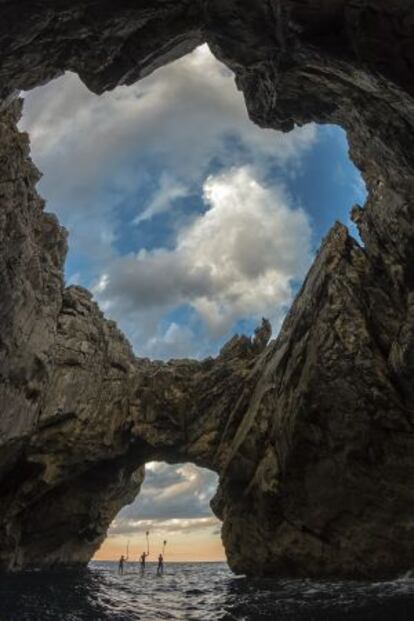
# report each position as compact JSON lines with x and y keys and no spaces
{"x":108,"y":560}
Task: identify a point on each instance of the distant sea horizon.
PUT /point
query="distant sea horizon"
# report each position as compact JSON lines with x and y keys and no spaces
{"x":116,"y":560}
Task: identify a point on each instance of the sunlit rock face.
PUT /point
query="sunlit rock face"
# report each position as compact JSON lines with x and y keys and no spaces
{"x":312,"y":434}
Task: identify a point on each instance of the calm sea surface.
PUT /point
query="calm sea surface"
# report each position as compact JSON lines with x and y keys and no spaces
{"x":196,"y":592}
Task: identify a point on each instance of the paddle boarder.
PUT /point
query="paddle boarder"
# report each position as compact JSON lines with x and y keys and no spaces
{"x":144,"y":555}
{"x":160,"y":568}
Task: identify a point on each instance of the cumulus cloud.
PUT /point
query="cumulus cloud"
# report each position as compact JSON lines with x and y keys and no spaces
{"x":173,"y":492}
{"x":180,"y":113}
{"x":239,"y":259}
{"x":100,"y":152}
{"x":115,"y":163}
{"x":173,"y":499}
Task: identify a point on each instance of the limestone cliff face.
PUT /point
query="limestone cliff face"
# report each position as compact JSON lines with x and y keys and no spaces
{"x":312,"y":434}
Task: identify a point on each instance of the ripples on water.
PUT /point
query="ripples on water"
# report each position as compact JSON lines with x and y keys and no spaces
{"x":196,"y":592}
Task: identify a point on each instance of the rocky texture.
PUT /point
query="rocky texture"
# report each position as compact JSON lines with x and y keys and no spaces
{"x":313,"y":434}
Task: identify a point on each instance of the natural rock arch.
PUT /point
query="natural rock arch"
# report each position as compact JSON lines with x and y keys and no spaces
{"x":312,"y":434}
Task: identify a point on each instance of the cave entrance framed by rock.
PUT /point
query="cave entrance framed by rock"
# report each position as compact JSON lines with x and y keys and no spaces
{"x":173,"y":506}
{"x":311,"y":433}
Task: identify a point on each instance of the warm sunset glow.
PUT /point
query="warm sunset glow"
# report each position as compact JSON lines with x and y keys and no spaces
{"x":181,"y":547}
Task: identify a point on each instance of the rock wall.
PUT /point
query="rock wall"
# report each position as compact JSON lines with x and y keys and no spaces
{"x":312,"y":434}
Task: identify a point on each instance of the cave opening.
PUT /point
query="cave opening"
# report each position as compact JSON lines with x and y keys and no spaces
{"x":173,"y":507}
{"x":186,"y":221}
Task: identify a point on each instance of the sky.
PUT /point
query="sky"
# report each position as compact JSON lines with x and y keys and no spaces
{"x":188,"y":223}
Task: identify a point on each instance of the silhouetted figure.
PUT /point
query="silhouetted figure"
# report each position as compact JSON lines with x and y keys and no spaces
{"x":142,"y":559}
{"x":122,"y":561}
{"x":160,"y":568}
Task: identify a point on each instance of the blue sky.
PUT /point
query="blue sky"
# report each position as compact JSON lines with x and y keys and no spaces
{"x":186,"y":221}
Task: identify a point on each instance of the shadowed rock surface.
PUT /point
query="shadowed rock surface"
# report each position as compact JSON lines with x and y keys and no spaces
{"x":312,"y":434}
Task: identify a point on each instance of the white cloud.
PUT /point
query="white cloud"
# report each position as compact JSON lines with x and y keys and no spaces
{"x":172,"y":499}
{"x":176,"y":341}
{"x":96,"y":152}
{"x":237,"y":260}
{"x":170,"y":189}
{"x":181,"y":113}
{"x":113,"y":162}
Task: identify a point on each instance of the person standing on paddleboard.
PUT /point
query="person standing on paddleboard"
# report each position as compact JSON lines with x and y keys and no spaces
{"x":144,"y":555}
{"x":160,"y":568}
{"x":123,"y":560}
{"x":142,"y":559}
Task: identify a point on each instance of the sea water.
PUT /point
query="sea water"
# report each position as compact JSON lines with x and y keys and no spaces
{"x":196,"y":592}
